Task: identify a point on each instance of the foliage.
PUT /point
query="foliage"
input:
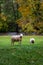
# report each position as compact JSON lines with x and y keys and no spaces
{"x":27,"y":15}
{"x":32,"y":15}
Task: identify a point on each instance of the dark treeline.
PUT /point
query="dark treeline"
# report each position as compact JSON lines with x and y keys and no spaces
{"x":21,"y":16}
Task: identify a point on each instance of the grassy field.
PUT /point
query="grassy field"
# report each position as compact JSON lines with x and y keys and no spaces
{"x":24,"y":54}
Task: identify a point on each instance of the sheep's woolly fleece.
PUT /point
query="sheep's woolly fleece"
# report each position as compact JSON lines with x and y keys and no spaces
{"x":15,"y":36}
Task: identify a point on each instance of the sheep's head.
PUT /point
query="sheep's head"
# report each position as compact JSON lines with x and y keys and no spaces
{"x":21,"y":35}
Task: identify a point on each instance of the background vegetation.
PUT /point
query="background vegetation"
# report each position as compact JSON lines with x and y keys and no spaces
{"x":21,"y":16}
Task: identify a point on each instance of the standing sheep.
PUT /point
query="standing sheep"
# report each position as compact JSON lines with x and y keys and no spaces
{"x":16,"y":38}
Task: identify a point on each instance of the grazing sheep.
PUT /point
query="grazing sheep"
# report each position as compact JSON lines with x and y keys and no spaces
{"x":16,"y":38}
{"x":32,"y":40}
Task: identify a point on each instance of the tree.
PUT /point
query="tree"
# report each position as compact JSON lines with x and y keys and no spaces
{"x":31,"y":14}
{"x":21,"y":15}
{"x":9,"y":14}
{"x":37,"y":13}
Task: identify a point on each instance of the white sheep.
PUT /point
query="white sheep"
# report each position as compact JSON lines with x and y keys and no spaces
{"x":16,"y":38}
{"x":32,"y":40}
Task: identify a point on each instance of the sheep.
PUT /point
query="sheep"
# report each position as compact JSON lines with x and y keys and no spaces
{"x":16,"y":38}
{"x":32,"y":40}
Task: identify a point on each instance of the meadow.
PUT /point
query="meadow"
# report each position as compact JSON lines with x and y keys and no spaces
{"x":24,"y":54}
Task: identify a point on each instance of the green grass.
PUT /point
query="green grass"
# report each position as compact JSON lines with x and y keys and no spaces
{"x":24,"y":54}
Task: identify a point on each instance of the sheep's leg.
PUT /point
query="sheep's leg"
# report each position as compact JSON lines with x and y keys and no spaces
{"x":20,"y":42}
{"x":12,"y":43}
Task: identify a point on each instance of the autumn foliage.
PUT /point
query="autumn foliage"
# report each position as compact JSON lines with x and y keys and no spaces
{"x":27,"y":14}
